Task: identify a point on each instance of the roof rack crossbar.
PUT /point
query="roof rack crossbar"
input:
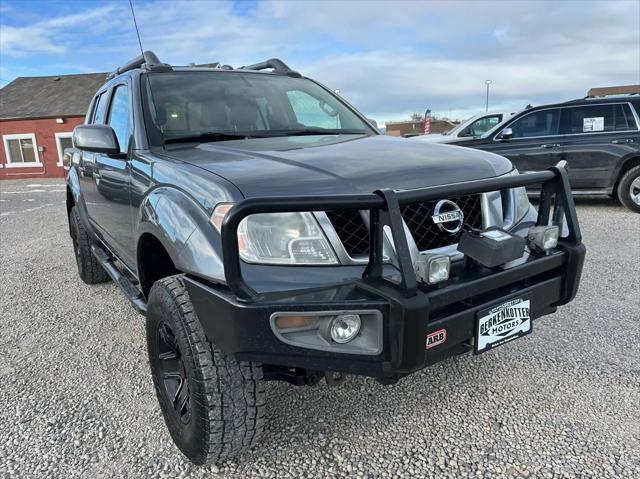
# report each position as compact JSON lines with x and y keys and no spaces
{"x":275,"y":63}
{"x":148,"y":60}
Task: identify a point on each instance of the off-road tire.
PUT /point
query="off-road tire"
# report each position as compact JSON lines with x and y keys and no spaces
{"x":624,"y":187}
{"x":227,"y":398}
{"x":89,"y":268}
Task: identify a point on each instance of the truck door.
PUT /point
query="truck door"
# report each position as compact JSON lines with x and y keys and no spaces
{"x":597,"y":137}
{"x":88,"y":164}
{"x":110,"y":208}
{"x":535,"y":144}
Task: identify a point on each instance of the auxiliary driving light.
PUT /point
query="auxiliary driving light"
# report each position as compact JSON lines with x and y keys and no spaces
{"x":432,"y":268}
{"x":543,"y":238}
{"x":344,"y":327}
{"x":491,"y":247}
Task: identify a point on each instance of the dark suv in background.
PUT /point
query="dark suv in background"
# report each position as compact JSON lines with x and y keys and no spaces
{"x":599,"y":138}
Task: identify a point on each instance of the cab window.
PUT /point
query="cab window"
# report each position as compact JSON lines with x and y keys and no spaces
{"x":538,"y":123}
{"x":119,"y":118}
{"x":100,"y":108}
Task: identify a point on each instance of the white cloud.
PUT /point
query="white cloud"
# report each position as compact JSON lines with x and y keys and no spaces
{"x":51,"y":36}
{"x":389,"y":59}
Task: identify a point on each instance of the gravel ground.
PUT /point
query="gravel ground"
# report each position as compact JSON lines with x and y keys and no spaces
{"x":77,"y":398}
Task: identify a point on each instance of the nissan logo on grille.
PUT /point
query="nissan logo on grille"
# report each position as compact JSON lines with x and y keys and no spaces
{"x":448,"y":216}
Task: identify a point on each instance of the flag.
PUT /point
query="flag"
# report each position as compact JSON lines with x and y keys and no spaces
{"x":427,"y":122}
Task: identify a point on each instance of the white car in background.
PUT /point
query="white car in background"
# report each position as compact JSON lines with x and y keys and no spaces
{"x":475,"y":127}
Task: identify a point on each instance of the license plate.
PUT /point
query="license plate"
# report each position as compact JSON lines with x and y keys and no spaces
{"x":502,"y":323}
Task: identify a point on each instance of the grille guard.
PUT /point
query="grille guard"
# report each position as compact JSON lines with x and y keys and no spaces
{"x":384,"y":210}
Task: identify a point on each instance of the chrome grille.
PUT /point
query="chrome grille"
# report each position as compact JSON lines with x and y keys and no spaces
{"x":426,"y":233}
{"x":351,"y":230}
{"x":354,"y":234}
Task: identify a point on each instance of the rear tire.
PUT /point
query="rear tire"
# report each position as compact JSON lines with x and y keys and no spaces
{"x":89,"y":268}
{"x":212,"y":404}
{"x":629,"y":189}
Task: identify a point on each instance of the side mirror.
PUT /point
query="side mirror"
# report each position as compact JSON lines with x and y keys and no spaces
{"x":506,"y":134}
{"x":373,"y":122}
{"x":96,"y":138}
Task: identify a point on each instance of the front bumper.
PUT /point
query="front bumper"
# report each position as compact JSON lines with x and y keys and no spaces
{"x":244,"y":329}
{"x":237,"y":318}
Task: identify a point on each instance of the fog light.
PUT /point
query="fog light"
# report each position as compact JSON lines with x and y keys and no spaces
{"x":344,"y":327}
{"x":543,"y":238}
{"x":295,"y":322}
{"x":432,"y":268}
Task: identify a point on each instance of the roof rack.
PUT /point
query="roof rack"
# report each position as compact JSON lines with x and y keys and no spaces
{"x":148,"y":60}
{"x":277,"y":65}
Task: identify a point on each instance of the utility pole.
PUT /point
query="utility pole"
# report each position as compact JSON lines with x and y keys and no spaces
{"x":487,"y":82}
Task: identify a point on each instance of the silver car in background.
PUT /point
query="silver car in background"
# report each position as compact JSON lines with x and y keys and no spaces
{"x":473,"y":128}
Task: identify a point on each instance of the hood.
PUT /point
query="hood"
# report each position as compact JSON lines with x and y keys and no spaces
{"x":435,"y":138}
{"x":325,"y":164}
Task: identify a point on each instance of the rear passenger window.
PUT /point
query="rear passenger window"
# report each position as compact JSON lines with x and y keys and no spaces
{"x":597,"y":118}
{"x":624,"y":119}
{"x":101,"y":107}
{"x":538,"y":123}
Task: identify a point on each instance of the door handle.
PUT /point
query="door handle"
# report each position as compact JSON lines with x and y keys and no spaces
{"x":622,"y":141}
{"x":550,"y":145}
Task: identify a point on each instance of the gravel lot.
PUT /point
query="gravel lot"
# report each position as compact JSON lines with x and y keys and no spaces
{"x":77,"y":398}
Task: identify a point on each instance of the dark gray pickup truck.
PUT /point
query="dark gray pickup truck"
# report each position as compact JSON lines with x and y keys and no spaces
{"x":269,"y":232}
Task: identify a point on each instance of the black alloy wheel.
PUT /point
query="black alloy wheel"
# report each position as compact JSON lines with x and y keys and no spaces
{"x":174,"y":375}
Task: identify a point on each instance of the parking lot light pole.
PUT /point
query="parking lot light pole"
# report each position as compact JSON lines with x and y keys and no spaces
{"x":488,"y":82}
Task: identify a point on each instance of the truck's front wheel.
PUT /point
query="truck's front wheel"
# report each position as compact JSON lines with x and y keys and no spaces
{"x":212,"y":404}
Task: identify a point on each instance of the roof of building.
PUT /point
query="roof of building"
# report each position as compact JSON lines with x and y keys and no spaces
{"x":51,"y":96}
{"x":613,"y":90}
{"x":420,"y":121}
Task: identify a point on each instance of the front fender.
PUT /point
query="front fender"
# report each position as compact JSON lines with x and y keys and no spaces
{"x":633,"y":156}
{"x":73,"y":182}
{"x":73,"y":185}
{"x":183,"y":228}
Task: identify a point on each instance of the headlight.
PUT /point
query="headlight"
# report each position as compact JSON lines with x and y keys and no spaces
{"x":521,"y":200}
{"x":280,"y":238}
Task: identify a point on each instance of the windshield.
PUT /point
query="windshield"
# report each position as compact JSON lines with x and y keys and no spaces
{"x":457,"y":127}
{"x":225,"y":105}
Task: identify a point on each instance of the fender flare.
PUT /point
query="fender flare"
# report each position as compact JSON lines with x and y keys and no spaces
{"x":633,"y":157}
{"x":73,"y":186}
{"x":182,"y":226}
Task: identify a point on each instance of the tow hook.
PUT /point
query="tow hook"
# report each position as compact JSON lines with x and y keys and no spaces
{"x":334,"y":379}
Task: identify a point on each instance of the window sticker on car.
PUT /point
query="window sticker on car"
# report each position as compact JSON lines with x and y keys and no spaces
{"x":593,"y":124}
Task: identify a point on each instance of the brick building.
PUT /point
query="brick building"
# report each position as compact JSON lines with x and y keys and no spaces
{"x":37,"y":117}
{"x":415,"y":127}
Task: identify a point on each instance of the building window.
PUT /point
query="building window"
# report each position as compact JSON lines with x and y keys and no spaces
{"x":21,"y":150}
{"x":63,"y":141}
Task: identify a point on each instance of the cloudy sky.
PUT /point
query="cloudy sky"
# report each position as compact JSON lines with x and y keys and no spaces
{"x":388,"y":58}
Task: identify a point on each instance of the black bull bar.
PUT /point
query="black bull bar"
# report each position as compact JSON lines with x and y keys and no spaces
{"x":556,"y":203}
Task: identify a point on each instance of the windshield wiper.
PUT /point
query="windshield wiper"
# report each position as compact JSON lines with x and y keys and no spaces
{"x":229,"y":135}
{"x":208,"y":136}
{"x":314,"y":131}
